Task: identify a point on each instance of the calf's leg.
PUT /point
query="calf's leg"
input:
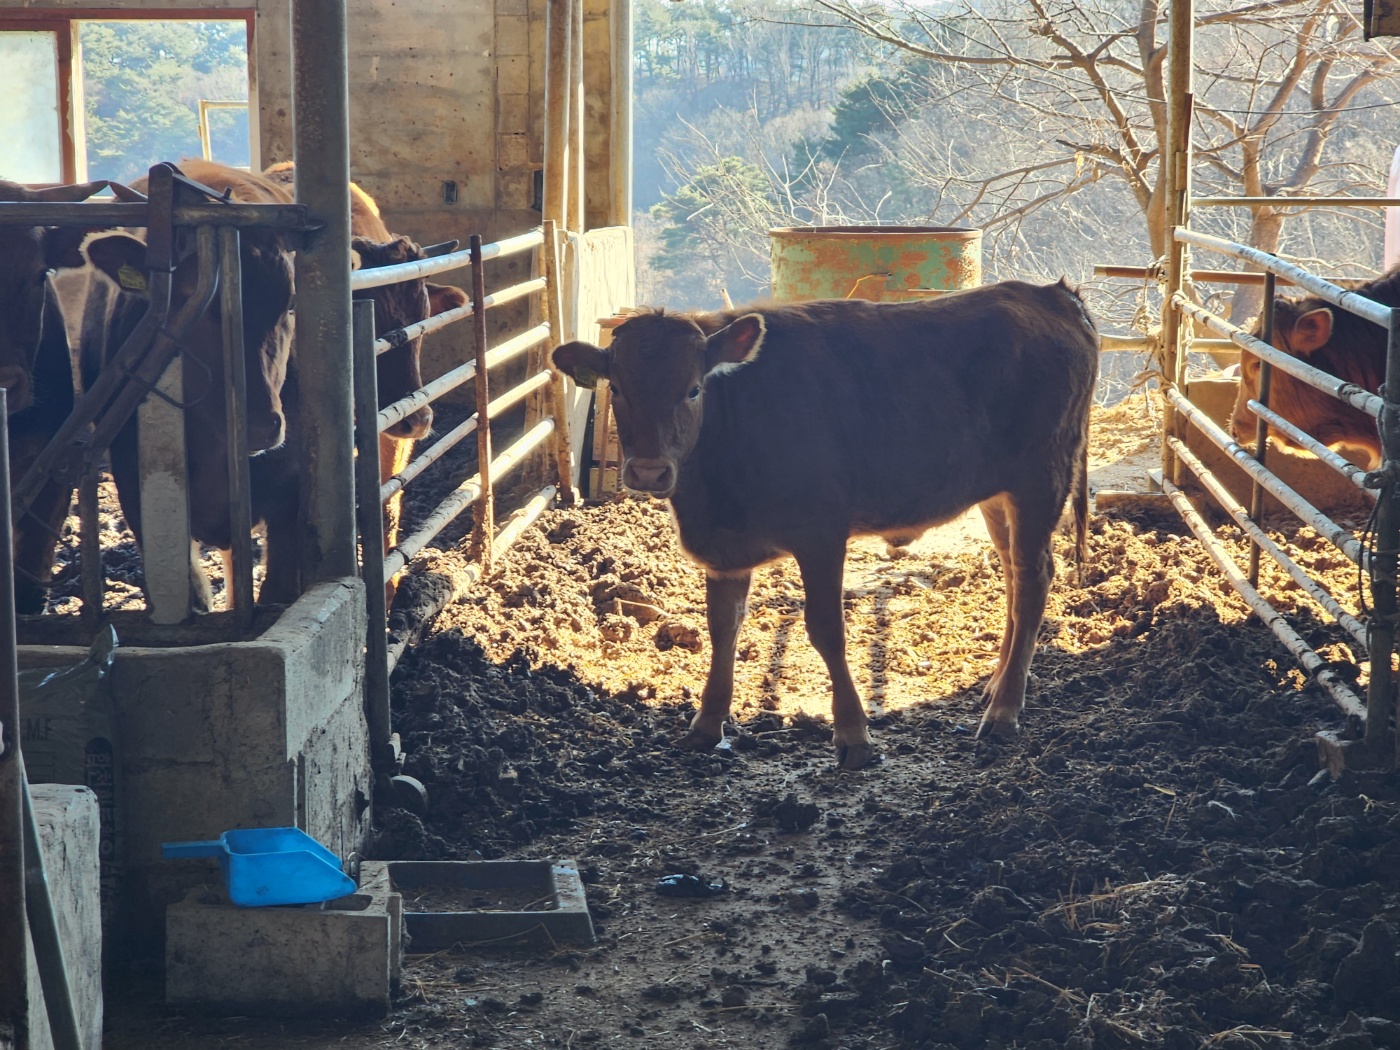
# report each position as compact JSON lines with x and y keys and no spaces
{"x":1029,"y":570}
{"x":726,"y":605}
{"x":996,"y":512}
{"x":822,"y":571}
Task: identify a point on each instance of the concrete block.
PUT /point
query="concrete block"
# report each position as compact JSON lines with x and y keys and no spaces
{"x":68,"y":838}
{"x":1316,"y":482}
{"x":512,"y":35}
{"x":514,"y":114}
{"x":269,"y":732}
{"x":341,"y":957}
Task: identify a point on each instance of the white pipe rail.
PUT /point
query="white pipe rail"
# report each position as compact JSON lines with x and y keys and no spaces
{"x":1349,"y":301}
{"x":382,"y":275}
{"x":1335,"y":686}
{"x":1356,"y":396}
{"x":1299,"y":575}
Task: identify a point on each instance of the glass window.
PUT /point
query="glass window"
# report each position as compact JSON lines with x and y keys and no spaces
{"x":30,"y":126}
{"x":142,"y":87}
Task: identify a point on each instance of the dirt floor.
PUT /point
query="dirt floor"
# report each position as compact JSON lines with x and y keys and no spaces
{"x":1154,"y":862}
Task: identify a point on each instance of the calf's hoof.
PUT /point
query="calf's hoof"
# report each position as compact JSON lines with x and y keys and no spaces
{"x":700,"y":738}
{"x":855,"y":753}
{"x":991,"y":726}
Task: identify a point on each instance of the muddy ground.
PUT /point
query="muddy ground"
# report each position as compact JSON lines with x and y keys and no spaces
{"x":1153,"y":862}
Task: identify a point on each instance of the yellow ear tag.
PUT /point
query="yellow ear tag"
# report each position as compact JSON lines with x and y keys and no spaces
{"x":132,"y":279}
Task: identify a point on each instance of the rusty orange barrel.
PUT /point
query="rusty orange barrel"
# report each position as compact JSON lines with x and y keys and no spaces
{"x":880,"y":263}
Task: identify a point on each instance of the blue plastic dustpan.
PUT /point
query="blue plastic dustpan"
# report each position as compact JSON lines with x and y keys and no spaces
{"x":266,"y":866}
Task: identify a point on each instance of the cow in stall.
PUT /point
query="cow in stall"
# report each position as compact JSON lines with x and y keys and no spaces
{"x":787,"y":429}
{"x":36,"y":370}
{"x":398,"y":372}
{"x":108,"y":301}
{"x":1337,"y":342}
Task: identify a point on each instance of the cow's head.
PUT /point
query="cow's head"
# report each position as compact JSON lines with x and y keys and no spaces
{"x":267,"y":330}
{"x":658,"y":368}
{"x":28,"y":254}
{"x":397,"y":306}
{"x":1301,"y":327}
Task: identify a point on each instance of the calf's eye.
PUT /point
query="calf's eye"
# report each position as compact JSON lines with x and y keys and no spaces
{"x":694,"y":394}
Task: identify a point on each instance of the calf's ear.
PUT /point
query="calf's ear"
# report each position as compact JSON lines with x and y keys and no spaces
{"x":736,"y":344}
{"x":585,"y":362}
{"x":1311,"y":331}
{"x":444,"y":297}
{"x":121,"y":257}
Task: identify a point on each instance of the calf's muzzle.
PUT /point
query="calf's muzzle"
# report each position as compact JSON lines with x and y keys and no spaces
{"x":653,"y":476}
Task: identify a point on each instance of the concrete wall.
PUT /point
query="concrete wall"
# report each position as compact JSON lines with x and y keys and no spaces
{"x":269,"y":733}
{"x":68,"y":839}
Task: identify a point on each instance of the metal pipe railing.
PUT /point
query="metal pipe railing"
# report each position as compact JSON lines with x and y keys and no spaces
{"x":1304,"y":440}
{"x":97,"y":214}
{"x":1350,"y":301}
{"x":1341,"y":538}
{"x":399,"y":336}
{"x":464,"y":496}
{"x":505,"y":539}
{"x":238,"y":591}
{"x":1356,"y":396}
{"x":1330,"y":681}
{"x":382,"y":275}
{"x":1261,"y":540}
{"x":485,"y":524}
{"x":513,"y":347}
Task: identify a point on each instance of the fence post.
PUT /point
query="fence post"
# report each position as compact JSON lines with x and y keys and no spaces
{"x":558,"y":397}
{"x":14,"y":969}
{"x":370,"y":512}
{"x":1380,"y":690}
{"x":484,"y":533}
{"x":1261,"y":430}
{"x":1176,"y":172}
{"x":321,"y":144}
{"x":238,"y":588}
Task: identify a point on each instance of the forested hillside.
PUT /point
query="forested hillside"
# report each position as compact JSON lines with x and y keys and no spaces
{"x":1037,"y":123}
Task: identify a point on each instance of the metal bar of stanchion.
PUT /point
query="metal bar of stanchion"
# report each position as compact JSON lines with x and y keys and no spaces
{"x":1261,"y":430}
{"x":238,"y":589}
{"x":14,"y":969}
{"x":486,"y":506}
{"x":370,"y":513}
{"x":1380,"y":692}
{"x":558,"y":399}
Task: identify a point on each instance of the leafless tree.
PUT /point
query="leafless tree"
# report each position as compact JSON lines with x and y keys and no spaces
{"x":1030,"y":104}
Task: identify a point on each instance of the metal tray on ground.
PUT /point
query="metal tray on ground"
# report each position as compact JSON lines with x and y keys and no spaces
{"x":491,"y":903}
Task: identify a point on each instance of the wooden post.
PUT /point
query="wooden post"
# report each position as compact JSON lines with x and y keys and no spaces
{"x":238,"y":588}
{"x":577,"y":219}
{"x":1381,"y":690}
{"x":556,"y":120}
{"x":1177,"y":173}
{"x":563,"y":443}
{"x":484,"y":534}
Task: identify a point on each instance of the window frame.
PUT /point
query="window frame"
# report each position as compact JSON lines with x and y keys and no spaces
{"x":64,"y":25}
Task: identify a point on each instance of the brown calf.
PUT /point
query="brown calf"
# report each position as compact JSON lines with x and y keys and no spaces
{"x":788,"y":429}
{"x":1339,"y":343}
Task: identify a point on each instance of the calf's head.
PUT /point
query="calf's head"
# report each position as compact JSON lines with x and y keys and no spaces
{"x":267,"y":331}
{"x":397,"y":306}
{"x":28,"y":254}
{"x":1301,"y":327}
{"x":658,"y":368}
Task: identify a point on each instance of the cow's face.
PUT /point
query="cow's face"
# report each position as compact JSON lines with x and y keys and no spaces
{"x":397,"y":306}
{"x":1301,"y":327}
{"x":267,"y":332}
{"x":657,"y":368}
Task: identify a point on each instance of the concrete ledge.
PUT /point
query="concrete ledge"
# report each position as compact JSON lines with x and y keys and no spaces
{"x":343,"y":957}
{"x":68,"y":838}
